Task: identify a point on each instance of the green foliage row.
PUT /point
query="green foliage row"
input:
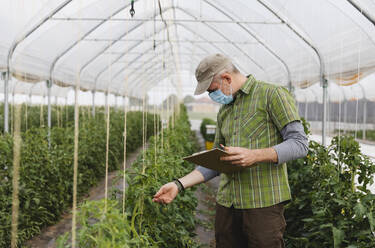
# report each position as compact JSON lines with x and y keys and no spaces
{"x":37,"y":115}
{"x":329,"y":209}
{"x":46,"y":174}
{"x":370,"y":134}
{"x":203,"y":129}
{"x":145,"y":223}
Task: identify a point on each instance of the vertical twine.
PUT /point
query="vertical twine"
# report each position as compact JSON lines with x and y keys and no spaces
{"x":82,"y":112}
{"x":15,"y":181}
{"x":61,"y":115}
{"x":168,"y":113}
{"x":358,"y":78}
{"x":124,"y":167}
{"x":143,"y":135}
{"x":157,"y":113}
{"x":12,"y":116}
{"x":343,"y":95}
{"x":161,"y":123}
{"x":141,"y":207}
{"x":146,"y":121}
{"x":66,"y":111}
{"x":173,"y":113}
{"x":88,"y":112}
{"x":26,"y":116}
{"x":155,"y":133}
{"x":106,"y":159}
{"x":76,"y":147}
{"x":41,"y":119}
{"x":107,"y":127}
{"x":57,"y":114}
{"x":75,"y":166}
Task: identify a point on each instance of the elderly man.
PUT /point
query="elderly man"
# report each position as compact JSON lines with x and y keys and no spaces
{"x":258,"y":125}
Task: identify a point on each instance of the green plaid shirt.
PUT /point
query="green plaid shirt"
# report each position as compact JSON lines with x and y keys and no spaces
{"x":254,"y":120}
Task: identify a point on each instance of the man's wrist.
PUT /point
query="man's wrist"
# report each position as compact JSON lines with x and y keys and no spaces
{"x":180,"y":186}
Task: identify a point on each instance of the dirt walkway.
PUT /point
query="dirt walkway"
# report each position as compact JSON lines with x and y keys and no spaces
{"x":49,"y":234}
{"x":206,"y":208}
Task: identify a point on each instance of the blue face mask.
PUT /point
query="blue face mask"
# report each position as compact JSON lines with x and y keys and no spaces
{"x":219,"y":97}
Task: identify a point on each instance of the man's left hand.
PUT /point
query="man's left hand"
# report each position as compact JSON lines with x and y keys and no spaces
{"x":240,"y":156}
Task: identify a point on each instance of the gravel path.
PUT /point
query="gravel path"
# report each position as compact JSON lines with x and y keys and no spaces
{"x":206,"y":207}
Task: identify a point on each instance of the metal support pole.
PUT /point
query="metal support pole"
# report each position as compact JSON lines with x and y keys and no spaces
{"x":49,"y":104}
{"x":364,"y":119}
{"x":6,"y":102}
{"x":49,"y":118}
{"x":324,"y":119}
{"x":93,"y":103}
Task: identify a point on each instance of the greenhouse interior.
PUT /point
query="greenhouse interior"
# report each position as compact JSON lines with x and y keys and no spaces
{"x":98,"y":111}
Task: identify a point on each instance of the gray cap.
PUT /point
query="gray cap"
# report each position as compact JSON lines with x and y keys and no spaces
{"x":206,"y":70}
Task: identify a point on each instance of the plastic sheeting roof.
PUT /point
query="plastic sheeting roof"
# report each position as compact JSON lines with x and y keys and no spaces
{"x":97,"y":43}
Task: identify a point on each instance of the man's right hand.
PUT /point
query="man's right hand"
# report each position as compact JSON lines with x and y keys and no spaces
{"x":169,"y":191}
{"x":166,"y":193}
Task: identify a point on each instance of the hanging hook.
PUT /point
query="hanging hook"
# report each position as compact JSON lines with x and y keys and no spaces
{"x":132,"y":11}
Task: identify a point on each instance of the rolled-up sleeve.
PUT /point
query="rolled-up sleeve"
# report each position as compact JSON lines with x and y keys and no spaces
{"x":295,"y":144}
{"x":208,"y":174}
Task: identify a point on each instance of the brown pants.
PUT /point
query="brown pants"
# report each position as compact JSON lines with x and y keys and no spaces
{"x":250,"y":228}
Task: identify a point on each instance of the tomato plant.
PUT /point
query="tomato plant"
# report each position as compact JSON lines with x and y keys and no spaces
{"x":328,"y":209}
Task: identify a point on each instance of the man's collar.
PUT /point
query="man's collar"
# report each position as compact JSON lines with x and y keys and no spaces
{"x":247,"y":85}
